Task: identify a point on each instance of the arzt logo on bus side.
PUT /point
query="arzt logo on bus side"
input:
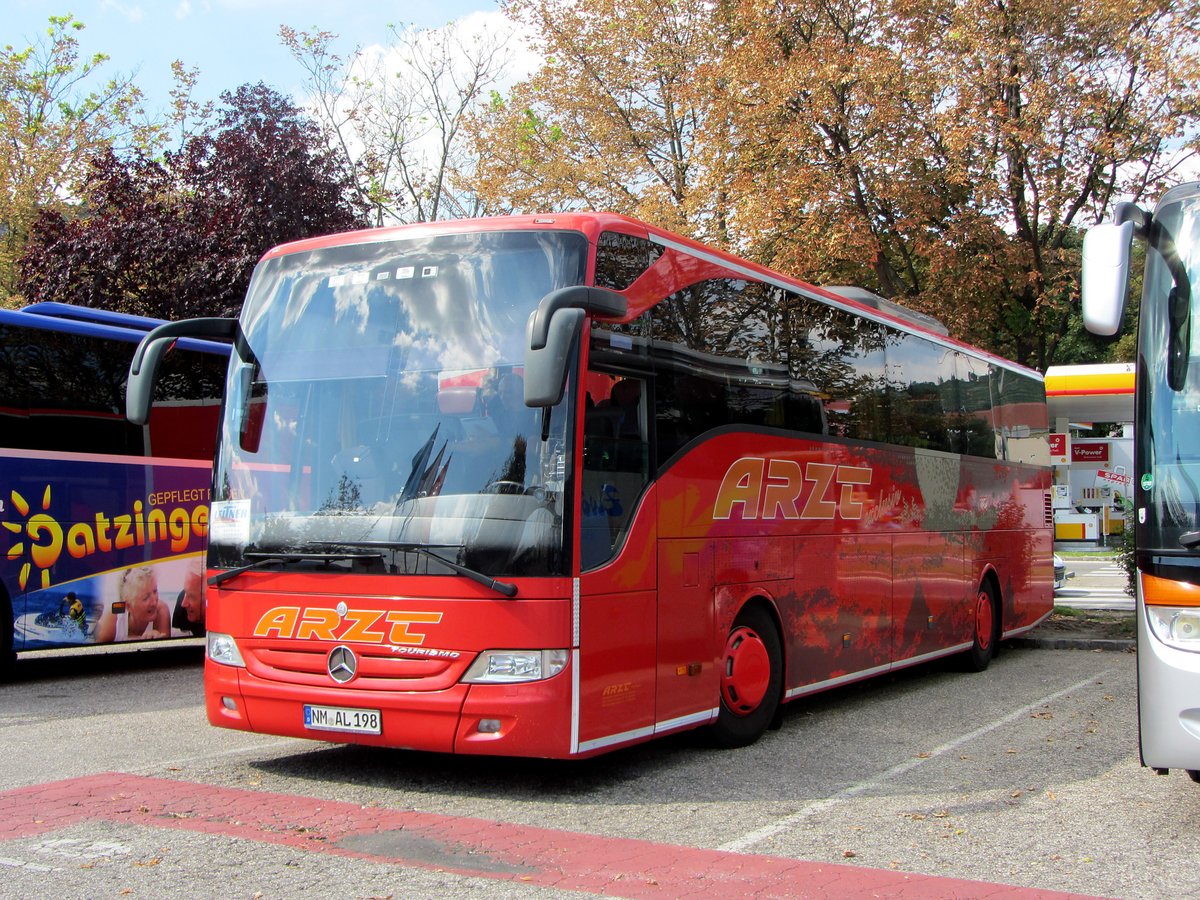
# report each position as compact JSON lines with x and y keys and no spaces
{"x":772,"y":489}
{"x":367,"y":626}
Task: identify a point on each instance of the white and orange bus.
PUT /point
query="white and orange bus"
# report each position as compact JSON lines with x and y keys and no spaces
{"x":1166,"y":457}
{"x":548,"y":486}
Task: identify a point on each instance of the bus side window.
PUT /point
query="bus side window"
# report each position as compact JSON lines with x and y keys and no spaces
{"x":616,"y":466}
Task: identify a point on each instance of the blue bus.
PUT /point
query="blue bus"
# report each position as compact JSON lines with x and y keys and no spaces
{"x":102,"y":523}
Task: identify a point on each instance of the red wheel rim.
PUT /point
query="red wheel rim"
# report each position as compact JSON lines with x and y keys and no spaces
{"x":985,"y":620}
{"x":747,"y":671}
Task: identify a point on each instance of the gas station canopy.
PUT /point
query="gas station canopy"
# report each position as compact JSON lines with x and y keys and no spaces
{"x":1098,"y":393}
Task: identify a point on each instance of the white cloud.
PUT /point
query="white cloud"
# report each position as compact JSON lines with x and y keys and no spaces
{"x":132,"y":13}
{"x":183,"y":10}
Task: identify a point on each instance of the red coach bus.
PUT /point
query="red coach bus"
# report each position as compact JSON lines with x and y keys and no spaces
{"x":551,"y":486}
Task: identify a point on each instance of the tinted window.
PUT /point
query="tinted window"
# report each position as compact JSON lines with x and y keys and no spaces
{"x":843,"y":356}
{"x":975,"y":416}
{"x":622,"y":258}
{"x":66,"y":392}
{"x":731,"y":352}
{"x":721,"y":359}
{"x":1020,"y":416}
{"x":923,"y":379}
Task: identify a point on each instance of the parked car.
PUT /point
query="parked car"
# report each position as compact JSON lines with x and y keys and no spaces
{"x":1060,"y":572}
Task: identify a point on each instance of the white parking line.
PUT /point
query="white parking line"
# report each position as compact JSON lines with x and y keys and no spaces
{"x":21,"y":864}
{"x":748,"y":840}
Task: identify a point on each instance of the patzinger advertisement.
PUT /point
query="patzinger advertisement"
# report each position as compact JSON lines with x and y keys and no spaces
{"x":100,"y":551}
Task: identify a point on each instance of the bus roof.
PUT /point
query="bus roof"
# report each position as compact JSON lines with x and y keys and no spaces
{"x":858,"y":301}
{"x":98,"y":323}
{"x":88,"y":314}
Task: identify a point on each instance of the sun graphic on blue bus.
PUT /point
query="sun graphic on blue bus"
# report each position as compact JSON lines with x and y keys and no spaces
{"x":35,"y":527}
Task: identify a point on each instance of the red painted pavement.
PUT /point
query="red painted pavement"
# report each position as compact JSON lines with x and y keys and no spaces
{"x":617,"y":867}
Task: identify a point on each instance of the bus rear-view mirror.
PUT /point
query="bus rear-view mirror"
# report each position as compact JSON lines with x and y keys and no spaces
{"x":551,"y":332}
{"x":143,"y":368}
{"x":546,"y":366}
{"x":1106,"y":251}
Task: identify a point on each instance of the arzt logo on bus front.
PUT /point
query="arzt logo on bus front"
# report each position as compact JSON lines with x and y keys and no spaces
{"x":370,"y":626}
{"x":759,"y":488}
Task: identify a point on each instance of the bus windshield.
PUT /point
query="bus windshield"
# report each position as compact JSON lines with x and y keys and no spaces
{"x":377,"y":400}
{"x":1169,"y":375}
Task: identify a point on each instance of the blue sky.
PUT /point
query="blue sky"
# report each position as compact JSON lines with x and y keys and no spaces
{"x":232,"y":42}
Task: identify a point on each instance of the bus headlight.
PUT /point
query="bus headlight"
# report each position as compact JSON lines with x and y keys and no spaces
{"x":1176,"y":626}
{"x":509,"y":666}
{"x":223,"y":649}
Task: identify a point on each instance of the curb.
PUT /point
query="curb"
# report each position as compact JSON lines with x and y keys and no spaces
{"x":1065,"y":643}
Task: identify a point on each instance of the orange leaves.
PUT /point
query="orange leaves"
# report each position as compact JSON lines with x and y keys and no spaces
{"x":943,"y":152}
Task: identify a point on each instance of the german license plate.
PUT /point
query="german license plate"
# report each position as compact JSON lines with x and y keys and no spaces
{"x":342,"y":718}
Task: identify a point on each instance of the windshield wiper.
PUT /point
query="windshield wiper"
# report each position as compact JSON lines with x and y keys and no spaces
{"x":507,"y":588}
{"x":265,"y":559}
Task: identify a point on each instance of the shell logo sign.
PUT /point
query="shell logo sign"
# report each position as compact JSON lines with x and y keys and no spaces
{"x":759,"y":488}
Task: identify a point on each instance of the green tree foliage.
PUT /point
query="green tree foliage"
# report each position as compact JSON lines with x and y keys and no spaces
{"x":179,"y":237}
{"x":54,"y":113}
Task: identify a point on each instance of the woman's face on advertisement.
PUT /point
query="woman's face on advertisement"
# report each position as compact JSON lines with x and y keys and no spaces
{"x":141,"y":594}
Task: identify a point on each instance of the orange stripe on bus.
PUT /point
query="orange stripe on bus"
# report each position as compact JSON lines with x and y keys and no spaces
{"x":1168,"y":592}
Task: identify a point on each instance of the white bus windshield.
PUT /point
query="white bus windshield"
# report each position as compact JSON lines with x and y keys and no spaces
{"x":1169,"y":375}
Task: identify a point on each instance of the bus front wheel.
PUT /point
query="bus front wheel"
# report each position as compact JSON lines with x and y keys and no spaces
{"x":985,"y":629}
{"x":751,"y":679}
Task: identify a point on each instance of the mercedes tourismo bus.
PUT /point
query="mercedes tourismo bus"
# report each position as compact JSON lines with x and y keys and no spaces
{"x":102,"y":523}
{"x":551,"y":486}
{"x":1166,"y":483}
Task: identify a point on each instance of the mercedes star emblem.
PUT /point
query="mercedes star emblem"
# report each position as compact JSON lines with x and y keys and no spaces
{"x":343,"y":664}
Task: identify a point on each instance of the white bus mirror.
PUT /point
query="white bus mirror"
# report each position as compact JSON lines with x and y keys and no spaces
{"x":1106,"y":251}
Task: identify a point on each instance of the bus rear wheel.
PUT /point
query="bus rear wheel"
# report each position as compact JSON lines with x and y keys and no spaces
{"x":985,"y":629}
{"x":751,"y":679}
{"x":8,"y":657}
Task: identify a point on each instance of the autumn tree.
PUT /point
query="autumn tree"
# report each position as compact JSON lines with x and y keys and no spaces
{"x":945,"y":153}
{"x":179,"y":237}
{"x":54,"y":112}
{"x":394,"y":114}
{"x":958,"y":147}
{"x":619,"y":117}
{"x":1079,"y":104}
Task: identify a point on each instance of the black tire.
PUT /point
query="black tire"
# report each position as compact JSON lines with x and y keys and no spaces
{"x":985,"y":629}
{"x":8,"y":657}
{"x":1194,"y":775}
{"x":751,"y":679}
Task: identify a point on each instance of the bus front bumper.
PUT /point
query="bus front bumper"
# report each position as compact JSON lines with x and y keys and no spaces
{"x":527,"y":719}
{"x":1168,"y":702}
